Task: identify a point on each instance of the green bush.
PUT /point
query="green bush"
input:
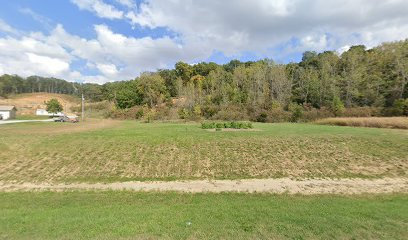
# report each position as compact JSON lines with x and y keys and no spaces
{"x":296,"y":110}
{"x":220,"y":125}
{"x":400,"y":107}
{"x":231,"y":113}
{"x":262,"y":117}
{"x":337,"y":107}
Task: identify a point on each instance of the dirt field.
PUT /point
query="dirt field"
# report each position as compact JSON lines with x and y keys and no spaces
{"x":28,"y":103}
{"x":282,"y":185}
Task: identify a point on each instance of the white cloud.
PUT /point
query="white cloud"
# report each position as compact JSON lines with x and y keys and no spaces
{"x":268,"y":28}
{"x":53,"y":66}
{"x":33,"y":55}
{"x":115,"y":56}
{"x":343,"y":49}
{"x":256,"y":26}
{"x":4,"y":27}
{"x":100,"y":8}
{"x":127,"y":3}
{"x":107,"y":69}
{"x":46,"y":22}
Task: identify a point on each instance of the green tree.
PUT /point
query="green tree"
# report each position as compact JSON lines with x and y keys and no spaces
{"x":184,"y":71}
{"x":152,"y":89}
{"x":400,"y":107}
{"x":296,"y":110}
{"x":337,"y":106}
{"x":53,"y":106}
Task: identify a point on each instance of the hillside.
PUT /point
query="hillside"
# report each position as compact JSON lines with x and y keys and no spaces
{"x":28,"y":103}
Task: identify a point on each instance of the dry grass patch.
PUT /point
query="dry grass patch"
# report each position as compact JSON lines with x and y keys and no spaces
{"x":56,"y":128}
{"x":374,"y":122}
{"x":159,"y":151}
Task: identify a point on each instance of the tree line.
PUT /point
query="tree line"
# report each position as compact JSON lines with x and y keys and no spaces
{"x":359,"y":77}
{"x":14,"y":84}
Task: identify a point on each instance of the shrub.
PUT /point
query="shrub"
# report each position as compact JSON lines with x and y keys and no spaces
{"x":262,"y":117}
{"x":219,"y":125}
{"x":279,"y":115}
{"x":362,"y":112}
{"x":206,"y":125}
{"x":150,"y":115}
{"x":209,"y":111}
{"x":400,"y":107}
{"x":337,"y":107}
{"x":315,"y":114}
{"x":296,"y":111}
{"x":139,"y":113}
{"x":192,"y":113}
{"x":183,"y":113}
{"x":231,"y":113}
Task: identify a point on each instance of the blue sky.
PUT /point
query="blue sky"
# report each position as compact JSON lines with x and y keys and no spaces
{"x":110,"y":40}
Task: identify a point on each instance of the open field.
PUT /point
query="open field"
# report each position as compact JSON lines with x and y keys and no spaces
{"x":373,"y":122}
{"x":130,"y":215}
{"x":31,"y":117}
{"x":112,"y":151}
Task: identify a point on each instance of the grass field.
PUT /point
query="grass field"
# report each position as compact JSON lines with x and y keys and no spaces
{"x":31,"y":117}
{"x":130,"y":215}
{"x":374,"y":122}
{"x":107,"y":151}
{"x":111,"y":151}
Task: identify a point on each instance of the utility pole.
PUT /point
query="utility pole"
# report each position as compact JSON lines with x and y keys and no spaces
{"x":82,"y":100}
{"x":83,"y":107}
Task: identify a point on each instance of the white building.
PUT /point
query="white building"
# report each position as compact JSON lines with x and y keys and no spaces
{"x":7,"y":112}
{"x":43,"y":112}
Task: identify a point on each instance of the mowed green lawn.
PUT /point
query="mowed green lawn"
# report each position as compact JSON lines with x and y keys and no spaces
{"x":131,"y":215}
{"x":122,"y":151}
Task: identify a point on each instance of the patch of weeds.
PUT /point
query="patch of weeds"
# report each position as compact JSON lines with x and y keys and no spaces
{"x":233,"y":125}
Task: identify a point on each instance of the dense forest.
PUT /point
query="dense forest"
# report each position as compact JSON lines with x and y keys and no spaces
{"x":326,"y":84}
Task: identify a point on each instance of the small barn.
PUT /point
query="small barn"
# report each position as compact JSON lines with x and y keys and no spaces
{"x":7,"y":112}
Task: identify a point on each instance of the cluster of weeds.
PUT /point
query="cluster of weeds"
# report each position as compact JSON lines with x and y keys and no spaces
{"x":219,"y":125}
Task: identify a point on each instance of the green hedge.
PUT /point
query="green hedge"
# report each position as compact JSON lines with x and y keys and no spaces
{"x":219,"y":125}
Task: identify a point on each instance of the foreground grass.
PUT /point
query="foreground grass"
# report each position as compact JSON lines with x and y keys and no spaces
{"x":374,"y":122}
{"x":115,"y":215}
{"x":105,"y":152}
{"x":31,"y":117}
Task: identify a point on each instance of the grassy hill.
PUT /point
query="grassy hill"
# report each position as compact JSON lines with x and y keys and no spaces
{"x":28,"y":103}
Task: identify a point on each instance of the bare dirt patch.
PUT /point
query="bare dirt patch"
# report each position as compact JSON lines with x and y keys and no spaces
{"x":28,"y":103}
{"x":282,"y":185}
{"x":234,"y":130}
